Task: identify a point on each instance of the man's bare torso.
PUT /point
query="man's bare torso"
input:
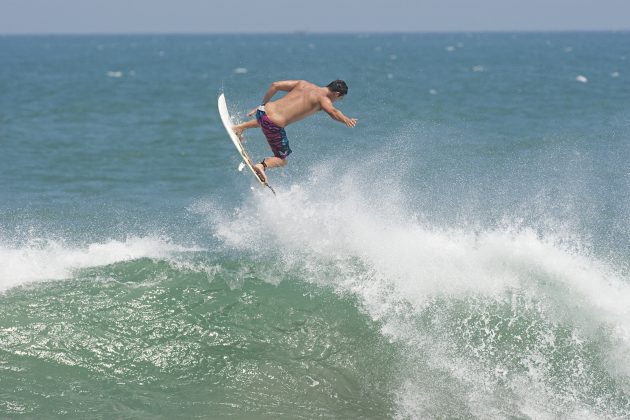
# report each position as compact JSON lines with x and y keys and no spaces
{"x":299,"y":103}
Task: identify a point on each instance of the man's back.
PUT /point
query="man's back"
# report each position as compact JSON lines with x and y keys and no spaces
{"x":301,"y":101}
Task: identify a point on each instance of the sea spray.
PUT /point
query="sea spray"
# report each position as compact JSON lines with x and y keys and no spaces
{"x":507,"y":321}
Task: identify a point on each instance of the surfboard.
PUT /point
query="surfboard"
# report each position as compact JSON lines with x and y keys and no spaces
{"x":227,"y":123}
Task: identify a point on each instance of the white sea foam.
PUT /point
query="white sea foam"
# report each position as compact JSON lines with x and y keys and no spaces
{"x":240,"y":70}
{"x":408,"y":267}
{"x":581,"y":79}
{"x":53,"y":260}
{"x":422,"y":261}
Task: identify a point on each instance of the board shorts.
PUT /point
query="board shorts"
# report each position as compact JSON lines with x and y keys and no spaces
{"x":276,"y":136}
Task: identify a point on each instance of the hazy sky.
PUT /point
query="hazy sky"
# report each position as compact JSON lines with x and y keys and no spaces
{"x":209,"y":16}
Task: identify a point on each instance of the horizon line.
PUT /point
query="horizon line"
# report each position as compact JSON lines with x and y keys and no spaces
{"x":306,"y":32}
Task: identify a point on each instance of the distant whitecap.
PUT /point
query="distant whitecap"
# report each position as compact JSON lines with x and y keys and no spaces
{"x":450,"y":48}
{"x":240,"y":70}
{"x":390,"y":76}
{"x":478,"y":69}
{"x":115,"y":74}
{"x":581,"y":79}
{"x":433,"y":92}
{"x":614,"y":74}
{"x":393,"y":57}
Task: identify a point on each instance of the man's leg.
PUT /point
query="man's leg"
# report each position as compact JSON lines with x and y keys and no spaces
{"x":238,"y":129}
{"x":270,"y":162}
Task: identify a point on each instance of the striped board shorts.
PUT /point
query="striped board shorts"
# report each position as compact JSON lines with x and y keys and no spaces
{"x":276,"y":136}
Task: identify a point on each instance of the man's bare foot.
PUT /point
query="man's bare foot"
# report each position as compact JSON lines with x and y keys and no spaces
{"x":260,"y":170}
{"x":238,"y":131}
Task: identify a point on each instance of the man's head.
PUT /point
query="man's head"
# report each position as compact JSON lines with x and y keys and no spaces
{"x":339,"y":87}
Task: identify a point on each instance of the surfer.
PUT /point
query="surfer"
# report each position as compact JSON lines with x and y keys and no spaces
{"x":304,"y":99}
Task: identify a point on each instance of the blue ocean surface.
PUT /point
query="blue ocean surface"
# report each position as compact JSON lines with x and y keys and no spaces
{"x":463,"y":252}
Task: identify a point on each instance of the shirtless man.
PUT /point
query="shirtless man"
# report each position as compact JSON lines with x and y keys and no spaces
{"x":304,"y":99}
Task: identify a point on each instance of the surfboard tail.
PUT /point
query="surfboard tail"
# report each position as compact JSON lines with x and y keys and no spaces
{"x":269,"y":186}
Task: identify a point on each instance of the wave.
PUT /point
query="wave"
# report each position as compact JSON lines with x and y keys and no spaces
{"x":486,"y":322}
{"x":47,"y":259}
{"x":504,"y":321}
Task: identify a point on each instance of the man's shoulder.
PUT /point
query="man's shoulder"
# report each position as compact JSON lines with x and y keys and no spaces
{"x":307,"y":84}
{"x":310,"y":89}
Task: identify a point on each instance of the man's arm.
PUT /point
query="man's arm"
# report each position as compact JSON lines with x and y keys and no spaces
{"x":286,"y":85}
{"x":335,"y":114}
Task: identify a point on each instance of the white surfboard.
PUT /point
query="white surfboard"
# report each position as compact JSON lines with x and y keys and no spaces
{"x":227,"y":123}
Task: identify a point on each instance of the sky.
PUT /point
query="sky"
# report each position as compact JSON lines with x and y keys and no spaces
{"x":263,"y":16}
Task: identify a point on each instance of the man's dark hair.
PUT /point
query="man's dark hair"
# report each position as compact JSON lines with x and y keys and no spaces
{"x":338,"y":86}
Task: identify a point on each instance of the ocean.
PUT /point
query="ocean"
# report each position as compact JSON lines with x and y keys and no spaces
{"x":462,"y":253}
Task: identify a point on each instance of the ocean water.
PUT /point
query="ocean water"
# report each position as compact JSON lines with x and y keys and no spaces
{"x":464,"y":252}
